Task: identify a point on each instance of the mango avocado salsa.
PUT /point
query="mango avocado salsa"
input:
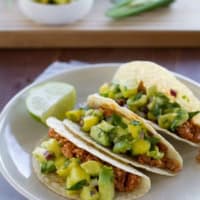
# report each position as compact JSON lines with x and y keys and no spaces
{"x":90,"y":180}
{"x":154,"y":106}
{"x":116,"y":132}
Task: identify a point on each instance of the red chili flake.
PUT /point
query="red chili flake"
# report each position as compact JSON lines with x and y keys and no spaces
{"x":173,"y":92}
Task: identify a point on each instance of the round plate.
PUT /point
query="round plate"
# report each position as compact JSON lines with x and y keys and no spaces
{"x":20,"y":133}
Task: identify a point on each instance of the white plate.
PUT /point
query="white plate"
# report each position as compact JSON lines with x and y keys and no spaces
{"x":20,"y":132}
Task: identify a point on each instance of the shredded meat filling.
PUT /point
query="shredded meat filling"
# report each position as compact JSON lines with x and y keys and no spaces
{"x":164,"y":163}
{"x":124,"y":181}
{"x":189,"y":131}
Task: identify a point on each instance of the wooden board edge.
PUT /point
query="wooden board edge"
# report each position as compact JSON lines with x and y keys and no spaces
{"x":93,"y":39}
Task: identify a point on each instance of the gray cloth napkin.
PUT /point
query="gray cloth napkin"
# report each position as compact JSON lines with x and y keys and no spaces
{"x":6,"y":191}
{"x":57,"y":67}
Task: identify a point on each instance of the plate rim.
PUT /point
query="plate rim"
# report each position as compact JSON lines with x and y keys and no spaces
{"x":5,"y":109}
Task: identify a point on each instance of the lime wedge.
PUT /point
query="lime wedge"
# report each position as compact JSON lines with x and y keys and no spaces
{"x":50,"y":99}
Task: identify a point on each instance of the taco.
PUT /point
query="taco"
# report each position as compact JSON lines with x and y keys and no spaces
{"x":73,"y":169}
{"x":123,"y":135}
{"x":156,"y":95}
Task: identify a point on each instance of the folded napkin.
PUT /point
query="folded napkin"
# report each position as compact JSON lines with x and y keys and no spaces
{"x":57,"y":67}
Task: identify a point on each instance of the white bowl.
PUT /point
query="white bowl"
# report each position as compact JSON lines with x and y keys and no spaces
{"x":55,"y":14}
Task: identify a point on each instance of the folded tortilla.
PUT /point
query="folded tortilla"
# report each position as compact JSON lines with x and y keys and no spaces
{"x":96,"y":101}
{"x":57,"y":184}
{"x":153,"y":74}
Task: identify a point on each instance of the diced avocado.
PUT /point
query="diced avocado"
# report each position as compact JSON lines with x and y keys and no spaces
{"x":98,"y":113}
{"x":92,"y":167}
{"x":39,"y":154}
{"x":100,"y":136}
{"x":104,"y":90}
{"x":114,"y":89}
{"x":156,"y":154}
{"x":89,"y":122}
{"x":120,"y":131}
{"x":95,"y":112}
{"x":118,"y":95}
{"x":166,"y":120}
{"x":77,"y":178}
{"x":140,"y":146}
{"x":135,"y":128}
{"x":48,"y":167}
{"x":53,"y":146}
{"x":157,"y":104}
{"x":137,"y":101}
{"x":105,"y":126}
{"x":171,"y":110}
{"x":151,"y":91}
{"x":182,"y":116}
{"x":89,"y":193}
{"x":106,"y":184}
{"x":75,"y":115}
{"x":151,"y":117}
{"x":122,"y":146}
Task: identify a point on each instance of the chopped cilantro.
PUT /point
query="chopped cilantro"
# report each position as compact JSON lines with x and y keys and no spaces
{"x":78,"y":185}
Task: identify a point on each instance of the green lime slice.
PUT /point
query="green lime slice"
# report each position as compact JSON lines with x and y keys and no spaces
{"x":50,"y":99}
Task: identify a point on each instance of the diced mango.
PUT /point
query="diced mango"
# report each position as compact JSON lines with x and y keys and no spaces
{"x":156,"y":154}
{"x":134,"y":128}
{"x":128,"y":92}
{"x":60,"y":161}
{"x":104,"y":89}
{"x":63,"y":172}
{"x":140,"y":146}
{"x":53,"y":146}
{"x":75,"y":115}
{"x":88,"y":122}
{"x":76,"y":175}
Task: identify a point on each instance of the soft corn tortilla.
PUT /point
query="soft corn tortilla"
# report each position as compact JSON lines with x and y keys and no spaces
{"x":153,"y":74}
{"x":96,"y":101}
{"x":57,"y":184}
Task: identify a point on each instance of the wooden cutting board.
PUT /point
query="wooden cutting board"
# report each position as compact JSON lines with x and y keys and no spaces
{"x":177,"y":25}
